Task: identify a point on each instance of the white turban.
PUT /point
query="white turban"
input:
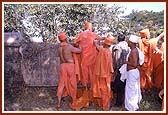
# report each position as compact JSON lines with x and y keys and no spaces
{"x":134,"y":38}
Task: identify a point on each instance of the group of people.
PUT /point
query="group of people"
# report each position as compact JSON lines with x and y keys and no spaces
{"x":93,"y":62}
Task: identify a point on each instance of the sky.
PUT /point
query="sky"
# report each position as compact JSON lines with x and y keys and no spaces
{"x":150,"y":6}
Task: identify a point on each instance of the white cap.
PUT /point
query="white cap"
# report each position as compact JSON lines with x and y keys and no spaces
{"x":134,"y":38}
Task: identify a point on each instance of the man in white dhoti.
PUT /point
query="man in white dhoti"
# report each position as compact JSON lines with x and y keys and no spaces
{"x":132,"y":89}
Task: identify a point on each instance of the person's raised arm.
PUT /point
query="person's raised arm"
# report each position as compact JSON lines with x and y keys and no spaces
{"x":161,"y":36}
{"x":76,"y":50}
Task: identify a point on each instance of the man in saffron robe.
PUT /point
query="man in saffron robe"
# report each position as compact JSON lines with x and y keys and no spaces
{"x":103,"y":72}
{"x":68,"y":81}
{"x":158,"y":65}
{"x":158,"y":60}
{"x":88,"y":55}
{"x":146,"y":69}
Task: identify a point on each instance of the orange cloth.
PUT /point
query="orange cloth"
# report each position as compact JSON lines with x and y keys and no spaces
{"x":88,"y":54}
{"x":147,"y":67}
{"x":159,"y":76}
{"x":77,"y":60}
{"x":67,"y":82}
{"x":101,"y":83}
{"x":62,"y":36}
{"x":84,"y":97}
{"x":158,"y":65}
{"x":109,"y":39}
{"x":103,"y":76}
{"x":103,"y":64}
{"x":82,"y":101}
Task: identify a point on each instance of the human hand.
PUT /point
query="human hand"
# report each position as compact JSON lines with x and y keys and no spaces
{"x":161,"y":93}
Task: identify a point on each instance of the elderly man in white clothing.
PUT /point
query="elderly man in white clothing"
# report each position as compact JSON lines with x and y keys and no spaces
{"x":132,"y":89}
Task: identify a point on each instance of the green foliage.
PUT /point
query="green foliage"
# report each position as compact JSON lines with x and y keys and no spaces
{"x":47,"y":20}
{"x":145,"y":19}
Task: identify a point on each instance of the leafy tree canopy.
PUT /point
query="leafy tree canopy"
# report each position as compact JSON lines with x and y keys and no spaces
{"x":47,"y":20}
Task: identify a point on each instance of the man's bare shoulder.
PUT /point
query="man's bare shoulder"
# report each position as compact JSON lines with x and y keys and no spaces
{"x":60,"y":48}
{"x":71,"y":46}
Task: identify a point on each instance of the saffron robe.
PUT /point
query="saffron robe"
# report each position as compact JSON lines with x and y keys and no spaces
{"x":158,"y":63}
{"x":147,"y":67}
{"x":68,"y":83}
{"x":103,"y":76}
{"x":88,"y":54}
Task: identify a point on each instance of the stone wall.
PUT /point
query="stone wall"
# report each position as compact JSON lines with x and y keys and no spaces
{"x":40,"y":65}
{"x":33,"y":64}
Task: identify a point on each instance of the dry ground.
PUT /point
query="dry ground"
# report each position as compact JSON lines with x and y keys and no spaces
{"x":44,"y":99}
